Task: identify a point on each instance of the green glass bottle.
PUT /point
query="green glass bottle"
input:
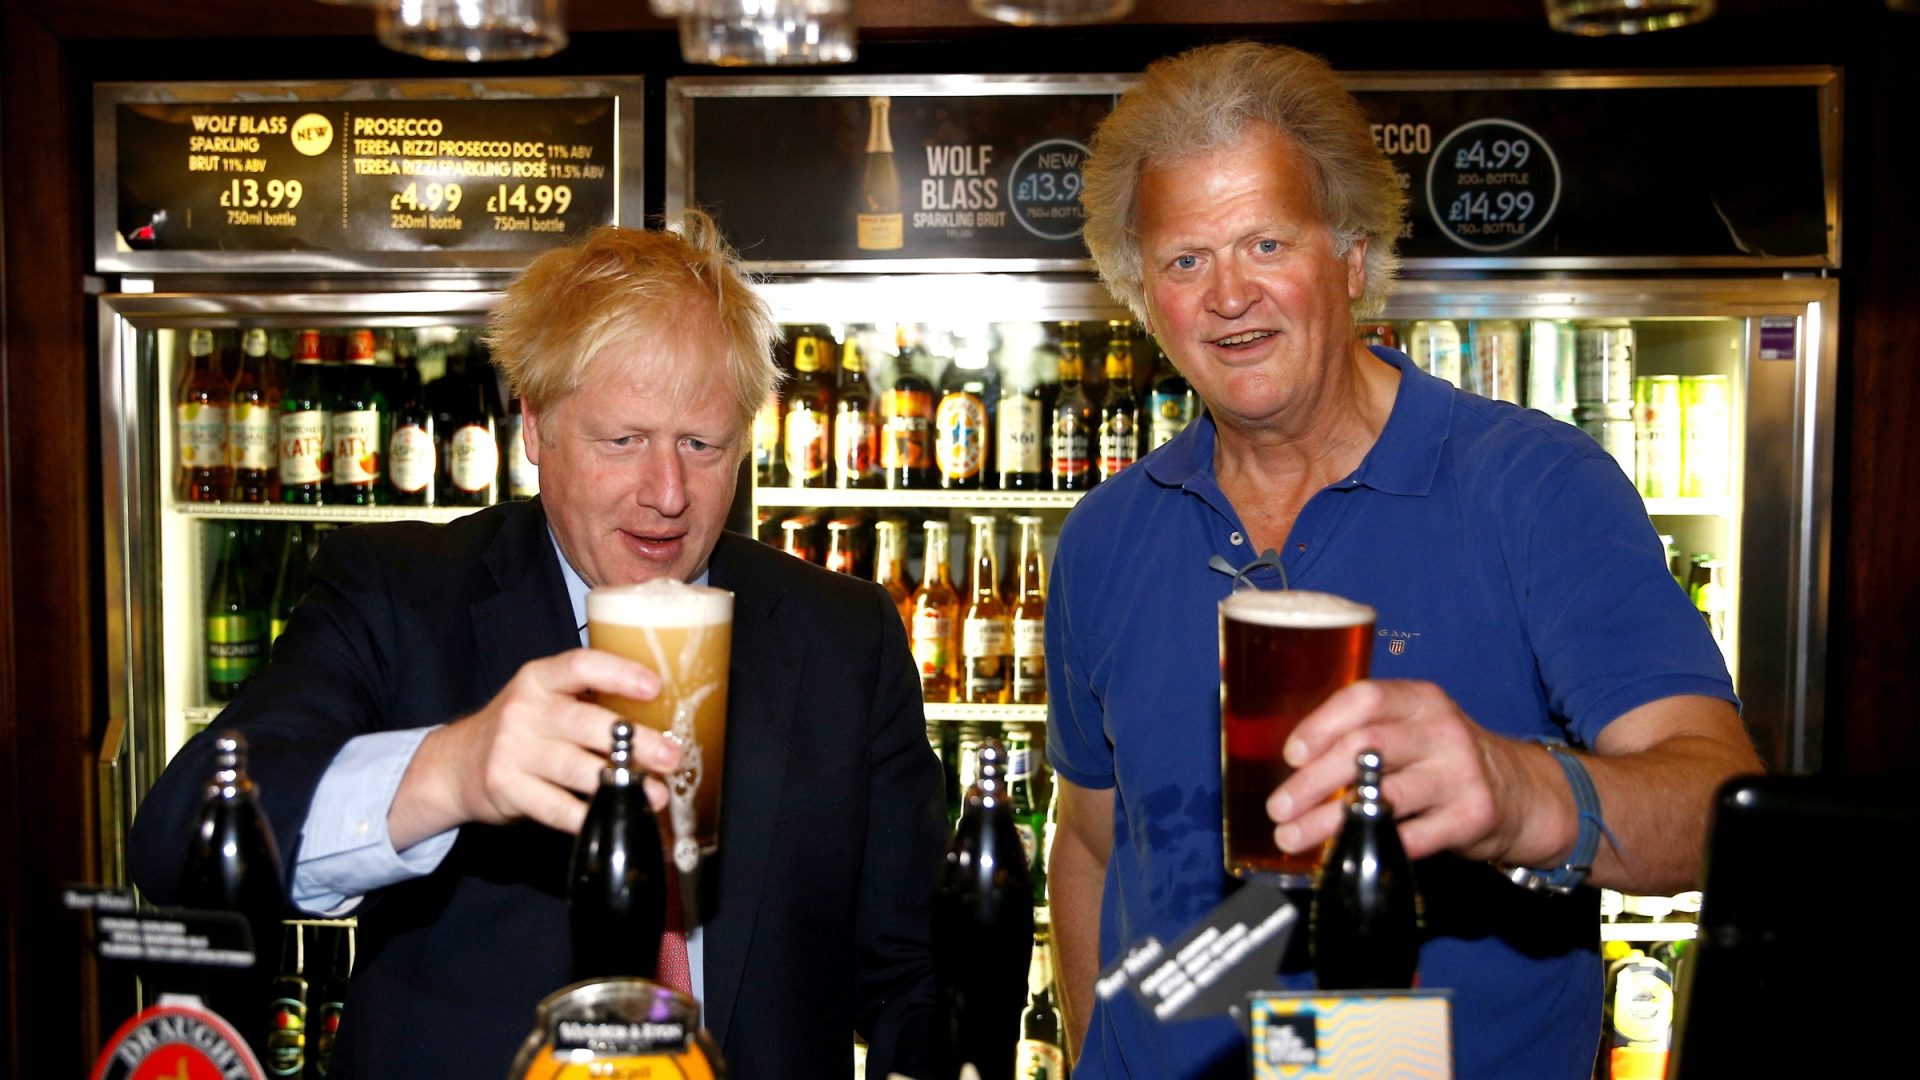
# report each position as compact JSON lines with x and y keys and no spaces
{"x":235,"y":619}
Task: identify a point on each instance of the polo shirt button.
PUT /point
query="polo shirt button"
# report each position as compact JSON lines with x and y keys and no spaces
{"x":1236,"y":539}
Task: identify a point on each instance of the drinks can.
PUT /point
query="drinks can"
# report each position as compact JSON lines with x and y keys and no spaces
{"x":1603,"y":362}
{"x":1612,"y":427}
{"x":1495,"y":369}
{"x":1657,"y":445}
{"x":1706,"y":424}
{"x":1550,"y":379}
{"x":1434,"y":346}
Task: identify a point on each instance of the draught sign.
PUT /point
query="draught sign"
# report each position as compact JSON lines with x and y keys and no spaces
{"x":1492,"y":185}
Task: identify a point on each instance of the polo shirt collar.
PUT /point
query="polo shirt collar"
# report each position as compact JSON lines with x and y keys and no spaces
{"x":1403,"y":459}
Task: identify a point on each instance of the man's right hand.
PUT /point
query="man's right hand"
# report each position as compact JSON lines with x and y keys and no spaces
{"x":534,"y":752}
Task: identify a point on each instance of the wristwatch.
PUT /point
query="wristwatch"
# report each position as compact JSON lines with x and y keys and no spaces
{"x":1586,"y":802}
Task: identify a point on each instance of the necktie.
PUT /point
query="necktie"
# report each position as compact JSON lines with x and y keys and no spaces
{"x":672,"y":970}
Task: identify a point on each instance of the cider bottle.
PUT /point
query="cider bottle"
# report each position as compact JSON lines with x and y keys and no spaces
{"x":201,"y":419}
{"x":985,"y":651}
{"x":1029,"y":618}
{"x":935,"y":606}
{"x":251,"y":443}
{"x":890,"y":567}
{"x":359,"y":421}
{"x":306,"y":443}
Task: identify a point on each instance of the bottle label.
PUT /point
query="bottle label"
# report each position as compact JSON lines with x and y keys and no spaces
{"x":984,"y":638}
{"x":1036,"y":1060}
{"x":306,"y":454}
{"x":287,"y":1042}
{"x":411,"y":459}
{"x":233,"y":647}
{"x":476,"y":458}
{"x":856,"y":443}
{"x":1029,"y":840}
{"x":523,"y":476}
{"x":960,"y":436}
{"x":1019,"y":440}
{"x":203,"y":435}
{"x":1071,"y":456}
{"x":252,"y":437}
{"x":1119,"y":443}
{"x":1171,"y":415}
{"x":880,"y":232}
{"x":1029,"y":638}
{"x":932,"y":642}
{"x":807,"y":445}
{"x":325,"y":1032}
{"x":907,"y":439}
{"x":356,"y":447}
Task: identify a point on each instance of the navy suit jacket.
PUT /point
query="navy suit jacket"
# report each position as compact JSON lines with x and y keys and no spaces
{"x":817,"y":906}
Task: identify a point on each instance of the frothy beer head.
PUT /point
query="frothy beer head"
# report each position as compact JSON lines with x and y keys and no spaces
{"x":662,"y":602}
{"x":1294,"y":610}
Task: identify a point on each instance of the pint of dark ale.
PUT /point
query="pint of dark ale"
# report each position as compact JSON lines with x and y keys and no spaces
{"x":1281,"y":655}
{"x":685,"y":634}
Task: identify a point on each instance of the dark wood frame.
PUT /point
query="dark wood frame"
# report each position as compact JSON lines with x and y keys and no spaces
{"x":53,"y":1012}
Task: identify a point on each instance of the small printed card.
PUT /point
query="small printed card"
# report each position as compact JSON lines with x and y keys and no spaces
{"x":1405,"y":1034}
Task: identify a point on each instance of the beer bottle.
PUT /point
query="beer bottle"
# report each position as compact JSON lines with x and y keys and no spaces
{"x":616,"y":896}
{"x":201,"y":419}
{"x":890,"y":566}
{"x":523,"y":476}
{"x":856,"y":424}
{"x":235,"y":618}
{"x":809,"y":419}
{"x":251,"y":442}
{"x":413,"y":451}
{"x":1171,"y":402}
{"x":906,"y":415}
{"x":1074,"y":419}
{"x":840,"y":545}
{"x":796,"y":538}
{"x":306,"y":440}
{"x":329,"y":1002}
{"x":1019,"y":421}
{"x":983,"y":926}
{"x":1120,"y":413}
{"x":1029,"y":618}
{"x":960,"y":428}
{"x":289,"y":580}
{"x":1028,"y":816}
{"x":473,"y":441}
{"x":359,"y":419}
{"x":233,"y":864}
{"x":1041,"y":1054}
{"x":985,"y":651}
{"x":1365,"y":911}
{"x":287,"y":1016}
{"x":935,"y":606}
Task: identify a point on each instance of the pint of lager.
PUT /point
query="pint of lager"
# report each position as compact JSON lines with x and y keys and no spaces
{"x":1281,"y":655}
{"x":684,"y":633}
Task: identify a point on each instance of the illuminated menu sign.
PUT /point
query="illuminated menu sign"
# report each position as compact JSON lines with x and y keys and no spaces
{"x":362,"y":178}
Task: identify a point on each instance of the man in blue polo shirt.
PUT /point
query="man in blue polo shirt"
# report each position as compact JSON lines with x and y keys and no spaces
{"x":1237,"y":204}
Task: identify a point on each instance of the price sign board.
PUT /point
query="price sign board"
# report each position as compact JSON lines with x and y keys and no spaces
{"x":908,"y":173}
{"x":360,"y":176}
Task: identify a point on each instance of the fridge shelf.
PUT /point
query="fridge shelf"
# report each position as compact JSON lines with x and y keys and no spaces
{"x":793,"y":497}
{"x":1721,"y":507}
{"x":438,"y":515}
{"x":986,"y":714}
{"x":1639,"y":931}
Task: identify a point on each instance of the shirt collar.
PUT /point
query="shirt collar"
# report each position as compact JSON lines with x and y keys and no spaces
{"x":1403,"y":459}
{"x":577,"y":585}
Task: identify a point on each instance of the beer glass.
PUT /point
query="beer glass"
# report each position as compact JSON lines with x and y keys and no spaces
{"x":1281,"y":655}
{"x":684,"y":633}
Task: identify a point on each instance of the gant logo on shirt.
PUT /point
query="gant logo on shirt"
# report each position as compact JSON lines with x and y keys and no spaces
{"x":1397,"y":640}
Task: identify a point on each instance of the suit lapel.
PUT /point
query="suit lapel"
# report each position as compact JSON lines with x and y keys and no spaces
{"x":763,"y":690}
{"x":530,"y":616}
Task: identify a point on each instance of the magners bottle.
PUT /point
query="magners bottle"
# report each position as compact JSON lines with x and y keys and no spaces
{"x":617,"y":891}
{"x":986,"y":651}
{"x":235,"y":618}
{"x":935,"y":610}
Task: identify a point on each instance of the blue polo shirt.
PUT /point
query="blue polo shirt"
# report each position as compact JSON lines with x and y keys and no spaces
{"x":1510,"y":562}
